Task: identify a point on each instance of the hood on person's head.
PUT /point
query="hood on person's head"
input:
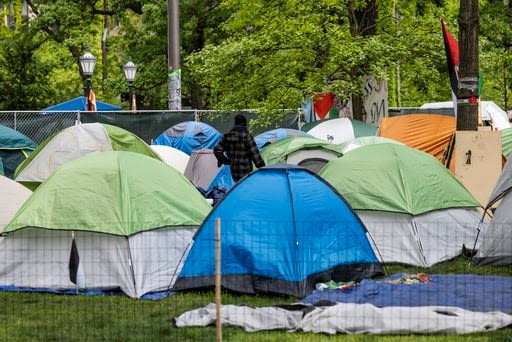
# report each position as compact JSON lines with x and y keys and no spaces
{"x":240,"y":120}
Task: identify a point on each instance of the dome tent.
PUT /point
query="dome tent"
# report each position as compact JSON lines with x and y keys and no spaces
{"x":204,"y":172}
{"x":496,"y":240}
{"x":172,"y":156}
{"x":189,"y":136}
{"x":74,"y":142}
{"x":273,"y":240}
{"x":12,"y":197}
{"x":309,"y":152}
{"x":126,"y":219}
{"x":338,"y":130}
{"x":350,"y":145}
{"x":430,"y":133}
{"x":416,"y":211}
{"x":15,"y":147}
{"x":277,"y":134}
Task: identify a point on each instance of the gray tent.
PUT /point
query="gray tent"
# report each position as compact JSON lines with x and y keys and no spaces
{"x":496,"y":240}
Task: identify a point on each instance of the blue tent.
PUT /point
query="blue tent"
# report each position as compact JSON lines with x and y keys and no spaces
{"x":189,"y":136}
{"x":283,"y":229}
{"x":277,"y":134}
{"x":78,"y":103}
{"x":223,"y":179}
{"x":14,"y":148}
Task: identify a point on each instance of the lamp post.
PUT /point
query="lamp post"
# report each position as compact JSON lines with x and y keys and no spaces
{"x":87,"y":63}
{"x":130,"y":69}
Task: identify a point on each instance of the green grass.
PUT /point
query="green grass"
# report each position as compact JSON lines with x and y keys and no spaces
{"x":50,"y":317}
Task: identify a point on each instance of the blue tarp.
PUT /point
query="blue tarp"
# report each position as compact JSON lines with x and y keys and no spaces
{"x":189,"y":136}
{"x":78,"y":103}
{"x":84,"y":292}
{"x":467,"y":291}
{"x":282,"y":226}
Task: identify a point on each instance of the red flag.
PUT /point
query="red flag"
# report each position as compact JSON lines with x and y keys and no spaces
{"x":323,"y":103}
{"x":452,"y":56}
{"x":91,"y":101}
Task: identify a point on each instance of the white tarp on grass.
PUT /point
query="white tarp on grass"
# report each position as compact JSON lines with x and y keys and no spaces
{"x":351,"y":319}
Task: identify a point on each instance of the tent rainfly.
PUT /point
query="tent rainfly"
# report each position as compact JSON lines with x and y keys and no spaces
{"x":496,"y":240}
{"x":15,"y":147}
{"x":339,"y":130}
{"x":109,"y":220}
{"x":12,"y":197}
{"x":189,"y":136}
{"x":269,"y":137}
{"x":416,"y":211}
{"x":172,"y":156}
{"x":283,"y":230}
{"x":203,"y":171}
{"x":311,"y":153}
{"x":72,"y":143}
{"x":429,"y":133}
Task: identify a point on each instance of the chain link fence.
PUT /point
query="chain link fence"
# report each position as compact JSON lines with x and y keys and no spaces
{"x":146,"y":124}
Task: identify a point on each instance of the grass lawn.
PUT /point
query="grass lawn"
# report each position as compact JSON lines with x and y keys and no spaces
{"x":50,"y":317}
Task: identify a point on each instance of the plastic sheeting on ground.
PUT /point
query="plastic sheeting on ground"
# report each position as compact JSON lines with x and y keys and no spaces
{"x":350,"y":319}
{"x":467,"y":291}
{"x":92,"y":292}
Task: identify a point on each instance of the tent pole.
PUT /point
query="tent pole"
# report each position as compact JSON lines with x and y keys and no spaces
{"x":218,"y":279}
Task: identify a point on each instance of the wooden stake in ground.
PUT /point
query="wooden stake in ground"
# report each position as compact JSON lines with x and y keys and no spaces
{"x":218,"y":280}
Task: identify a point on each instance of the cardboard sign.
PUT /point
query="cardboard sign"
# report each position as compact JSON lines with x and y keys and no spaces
{"x":375,"y":100}
{"x":478,"y":161}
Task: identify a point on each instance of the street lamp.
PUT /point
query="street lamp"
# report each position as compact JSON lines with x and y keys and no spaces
{"x":87,"y":63}
{"x":130,"y":69}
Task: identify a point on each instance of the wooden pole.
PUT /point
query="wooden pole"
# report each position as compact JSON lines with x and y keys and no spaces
{"x":469,"y":29}
{"x":218,"y":280}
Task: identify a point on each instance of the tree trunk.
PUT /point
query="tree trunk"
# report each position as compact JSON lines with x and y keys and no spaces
{"x":469,"y":27}
{"x":363,"y":22}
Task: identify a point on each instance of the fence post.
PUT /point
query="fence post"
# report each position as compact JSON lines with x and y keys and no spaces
{"x":218,"y":279}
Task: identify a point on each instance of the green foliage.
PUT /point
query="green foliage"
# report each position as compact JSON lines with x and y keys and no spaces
{"x":238,"y":54}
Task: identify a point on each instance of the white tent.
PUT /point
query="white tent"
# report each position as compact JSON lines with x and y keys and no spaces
{"x":172,"y":156}
{"x":12,"y":197}
{"x":334,"y":131}
{"x":496,"y":240}
{"x":489,"y":111}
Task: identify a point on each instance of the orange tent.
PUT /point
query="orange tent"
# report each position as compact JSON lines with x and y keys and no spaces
{"x":430,"y":133}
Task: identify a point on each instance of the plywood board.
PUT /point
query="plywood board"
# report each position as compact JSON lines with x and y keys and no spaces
{"x":478,"y":162}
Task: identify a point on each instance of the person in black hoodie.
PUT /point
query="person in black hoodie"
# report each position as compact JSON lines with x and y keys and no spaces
{"x":238,"y":149}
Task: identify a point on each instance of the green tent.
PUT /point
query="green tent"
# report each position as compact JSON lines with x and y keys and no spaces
{"x":417,"y":212}
{"x":506,"y":142}
{"x":397,"y":178}
{"x":75,"y":142}
{"x":130,"y":218}
{"x":363,"y":141}
{"x":309,"y":152}
{"x":14,"y":149}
